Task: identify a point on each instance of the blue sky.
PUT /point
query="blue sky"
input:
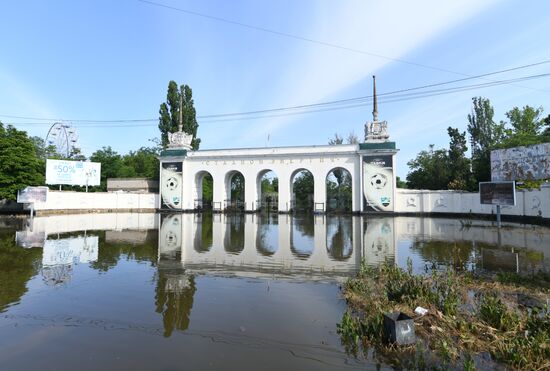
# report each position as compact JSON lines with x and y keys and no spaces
{"x":108,"y":60}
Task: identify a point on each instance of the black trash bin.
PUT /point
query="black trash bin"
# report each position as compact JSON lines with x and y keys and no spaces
{"x":399,"y":328}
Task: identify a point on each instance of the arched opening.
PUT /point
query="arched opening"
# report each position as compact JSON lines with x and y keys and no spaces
{"x":234,"y":181}
{"x":234,"y":234}
{"x":302,"y":236}
{"x":205,"y":191}
{"x":301,"y":189}
{"x":268,"y":191}
{"x":203,"y":236}
{"x":267,"y":238}
{"x":338,"y":186}
{"x":339,"y":237}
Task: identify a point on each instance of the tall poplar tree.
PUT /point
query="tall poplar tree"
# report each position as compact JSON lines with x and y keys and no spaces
{"x":169,"y":114}
{"x":485,"y":134}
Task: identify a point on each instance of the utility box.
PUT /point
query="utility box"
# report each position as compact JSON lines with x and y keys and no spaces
{"x":399,"y":328}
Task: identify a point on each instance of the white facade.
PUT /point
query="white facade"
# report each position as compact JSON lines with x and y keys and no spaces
{"x":184,"y":181}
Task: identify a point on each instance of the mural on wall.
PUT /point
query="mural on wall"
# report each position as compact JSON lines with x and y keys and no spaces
{"x":521,"y":163}
{"x":378,"y":183}
{"x":171,"y":184}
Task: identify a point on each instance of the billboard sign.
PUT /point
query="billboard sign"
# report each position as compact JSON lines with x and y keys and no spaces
{"x":521,"y":163}
{"x":171,"y":184}
{"x":378,"y":182}
{"x":497,"y":193}
{"x":30,"y":195}
{"x":73,"y":172}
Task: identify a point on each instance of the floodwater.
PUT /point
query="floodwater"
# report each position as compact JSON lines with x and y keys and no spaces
{"x":215,"y":292}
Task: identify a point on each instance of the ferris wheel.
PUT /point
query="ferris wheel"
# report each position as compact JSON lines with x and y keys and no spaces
{"x":64,"y":137}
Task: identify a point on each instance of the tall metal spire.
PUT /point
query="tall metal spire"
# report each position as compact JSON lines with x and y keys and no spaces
{"x":374,"y":101}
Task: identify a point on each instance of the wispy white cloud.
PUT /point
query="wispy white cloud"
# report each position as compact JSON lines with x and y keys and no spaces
{"x":390,"y":28}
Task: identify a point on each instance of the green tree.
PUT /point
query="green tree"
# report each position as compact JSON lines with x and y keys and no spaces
{"x":429,"y":170}
{"x":526,"y":120}
{"x":303,"y":190}
{"x":19,"y":165}
{"x":546,"y":121}
{"x":459,"y":164}
{"x":111,"y":164}
{"x":485,"y":134}
{"x":178,"y":100}
{"x":142,"y":163}
{"x":527,"y":127}
{"x":400,"y":183}
{"x":237,"y":188}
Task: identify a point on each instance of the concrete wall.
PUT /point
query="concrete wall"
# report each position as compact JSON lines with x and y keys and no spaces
{"x":97,"y":201}
{"x":534,"y":203}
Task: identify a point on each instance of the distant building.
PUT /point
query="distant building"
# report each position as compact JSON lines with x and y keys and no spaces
{"x":133,"y":185}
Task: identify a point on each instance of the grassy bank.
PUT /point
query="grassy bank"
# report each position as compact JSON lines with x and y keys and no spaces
{"x":472,"y":321}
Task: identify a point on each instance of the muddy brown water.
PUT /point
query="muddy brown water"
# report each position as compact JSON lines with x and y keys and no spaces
{"x":215,"y":292}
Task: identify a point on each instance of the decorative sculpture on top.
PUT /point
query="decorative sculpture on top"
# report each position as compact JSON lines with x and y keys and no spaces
{"x":376,"y":131}
{"x":180,"y":139}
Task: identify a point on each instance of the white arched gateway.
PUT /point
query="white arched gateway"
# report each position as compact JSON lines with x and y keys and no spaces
{"x":370,"y":165}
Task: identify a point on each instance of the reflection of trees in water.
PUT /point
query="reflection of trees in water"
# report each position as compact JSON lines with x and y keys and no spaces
{"x":339,"y":238}
{"x":456,"y":254}
{"x":109,"y":253}
{"x":303,"y":227}
{"x":234,"y":234}
{"x":204,"y":236}
{"x":17,"y":267}
{"x":174,"y":300}
{"x":55,"y":275}
{"x":264,"y":244}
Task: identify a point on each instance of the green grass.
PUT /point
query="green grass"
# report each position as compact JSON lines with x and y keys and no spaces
{"x":450,"y":335}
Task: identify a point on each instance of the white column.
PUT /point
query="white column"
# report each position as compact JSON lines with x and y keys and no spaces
{"x":357,"y":186}
{"x":319,"y":189}
{"x":250,"y":190}
{"x":219,"y":193}
{"x":285,"y":197}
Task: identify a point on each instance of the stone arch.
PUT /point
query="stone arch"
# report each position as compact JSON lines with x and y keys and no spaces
{"x":339,"y":189}
{"x":234,"y":183}
{"x":202,"y":201}
{"x":269,"y":202}
{"x":302,"y":195}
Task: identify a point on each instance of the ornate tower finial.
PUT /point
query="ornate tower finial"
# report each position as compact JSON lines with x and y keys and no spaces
{"x":374,"y":101}
{"x":376,"y":131}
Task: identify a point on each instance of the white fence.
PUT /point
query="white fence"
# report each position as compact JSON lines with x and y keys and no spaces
{"x":534,"y":203}
{"x":97,"y":201}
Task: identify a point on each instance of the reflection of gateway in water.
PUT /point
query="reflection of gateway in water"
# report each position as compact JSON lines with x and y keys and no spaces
{"x":321,"y":246}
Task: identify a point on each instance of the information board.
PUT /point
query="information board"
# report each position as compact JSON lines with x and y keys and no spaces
{"x":78,"y":173}
{"x":497,"y":193}
{"x":521,"y":163}
{"x":32,"y":194}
